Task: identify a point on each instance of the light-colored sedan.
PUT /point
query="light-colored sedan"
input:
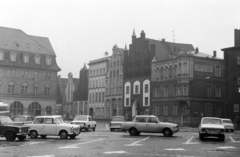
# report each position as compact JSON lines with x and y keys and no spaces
{"x":211,"y":126}
{"x":116,"y":122}
{"x":228,"y":125}
{"x":22,"y":119}
{"x":85,"y":121}
{"x":52,"y":126}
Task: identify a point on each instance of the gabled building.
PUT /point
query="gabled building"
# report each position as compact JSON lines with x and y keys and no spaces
{"x":137,"y":71}
{"x":28,"y":73}
{"x":114,"y":84}
{"x":232,"y":64}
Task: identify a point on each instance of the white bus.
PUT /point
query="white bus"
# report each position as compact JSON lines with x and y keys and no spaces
{"x":4,"y":109}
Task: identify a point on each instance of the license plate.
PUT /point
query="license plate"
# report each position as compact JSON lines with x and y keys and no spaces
{"x":212,"y":131}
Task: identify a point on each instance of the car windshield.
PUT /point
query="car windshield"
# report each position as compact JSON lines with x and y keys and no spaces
{"x":5,"y":120}
{"x":19,"y":119}
{"x":120,"y":119}
{"x":211,"y":121}
{"x":227,"y":121}
{"x":59,"y":120}
{"x":84,"y":118}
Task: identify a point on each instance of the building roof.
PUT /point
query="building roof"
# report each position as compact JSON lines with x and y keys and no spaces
{"x":17,"y":40}
{"x":100,"y":60}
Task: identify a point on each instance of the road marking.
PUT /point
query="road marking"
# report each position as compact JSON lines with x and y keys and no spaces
{"x":107,"y":127}
{"x":170,"y":149}
{"x":43,"y":156}
{"x":75,"y":145}
{"x":7,"y":147}
{"x":189,"y":141}
{"x":116,"y":152}
{"x":233,"y":139}
{"x":136,"y":143}
{"x":226,"y":147}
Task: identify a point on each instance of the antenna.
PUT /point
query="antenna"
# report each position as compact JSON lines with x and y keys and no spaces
{"x":173,"y":36}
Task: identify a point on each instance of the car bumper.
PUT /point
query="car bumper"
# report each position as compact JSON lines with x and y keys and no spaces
{"x":22,"y":134}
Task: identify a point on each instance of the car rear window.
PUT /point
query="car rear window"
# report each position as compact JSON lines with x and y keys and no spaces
{"x":80,"y":118}
{"x":227,"y":121}
{"x":120,"y":119}
{"x":19,"y":119}
{"x":211,"y":121}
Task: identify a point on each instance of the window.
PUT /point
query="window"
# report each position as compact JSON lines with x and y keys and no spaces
{"x":127,"y":90}
{"x":136,"y":89}
{"x":217,"y":71}
{"x":218,"y":91}
{"x":127,"y":101}
{"x":93,"y":97}
{"x":165,"y":110}
{"x":103,"y":96}
{"x":47,"y":76}
{"x":157,"y":111}
{"x":100,"y":96}
{"x":110,"y":74}
{"x":146,"y":88}
{"x":146,"y":101}
{"x":185,"y":89}
{"x":38,"y":121}
{"x":96,"y":97}
{"x":117,"y":73}
{"x":165,"y":91}
{"x":209,"y":90}
{"x":1,"y":56}
{"x":238,"y":59}
{"x":175,"y":109}
{"x":24,"y":88}
{"x":37,"y":59}
{"x":117,"y":63}
{"x":13,"y":57}
{"x":180,"y":90}
{"x":141,"y":119}
{"x":11,"y":88}
{"x":26,"y":58}
{"x":34,"y":109}
{"x":16,"y":108}
{"x":48,"y":121}
{"x":47,"y":90}
{"x":48,"y":60}
{"x":35,"y":89}
{"x":100,"y":71}
{"x":208,"y":109}
{"x":48,"y":110}
{"x":175,"y":90}
{"x":218,"y":110}
{"x":35,"y":75}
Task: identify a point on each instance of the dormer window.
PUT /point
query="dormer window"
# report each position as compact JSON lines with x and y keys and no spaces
{"x":13,"y":56}
{"x":48,"y":60}
{"x":1,"y":56}
{"x":37,"y":59}
{"x":25,"y":58}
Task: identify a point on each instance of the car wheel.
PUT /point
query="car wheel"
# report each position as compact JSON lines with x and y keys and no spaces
{"x":63,"y":135}
{"x":133,"y":132}
{"x":21,"y":138}
{"x":232,"y":130}
{"x":94,"y":129}
{"x":167,"y":133}
{"x":72,"y":136}
{"x":43,"y":136}
{"x":33,"y":134}
{"x":201,"y":136}
{"x":10,"y":136}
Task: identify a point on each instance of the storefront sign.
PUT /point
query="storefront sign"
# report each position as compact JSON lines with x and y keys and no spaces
{"x":203,"y":68}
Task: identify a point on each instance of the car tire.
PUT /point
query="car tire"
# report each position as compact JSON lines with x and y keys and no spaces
{"x":63,"y":135}
{"x":10,"y":136}
{"x":133,"y":132}
{"x":21,"y":138}
{"x":167,"y":133}
{"x":201,"y":137}
{"x":72,"y":136}
{"x":94,"y":129}
{"x":33,"y":134}
{"x":232,"y":130}
{"x":43,"y":136}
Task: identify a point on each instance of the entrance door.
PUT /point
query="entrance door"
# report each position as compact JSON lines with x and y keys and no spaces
{"x":91,"y":112}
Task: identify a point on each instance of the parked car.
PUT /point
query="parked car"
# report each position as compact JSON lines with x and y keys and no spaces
{"x":53,"y":126}
{"x":85,"y":121}
{"x":10,"y":131}
{"x":151,"y":124}
{"x":22,"y":119}
{"x":211,"y":126}
{"x":228,"y":125}
{"x":116,"y":122}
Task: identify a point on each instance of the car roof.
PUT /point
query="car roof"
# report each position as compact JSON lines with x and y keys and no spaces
{"x":83,"y":115}
{"x":226,"y":119}
{"x":22,"y":116}
{"x":55,"y":116}
{"x":210,"y":118}
{"x":145,"y":116}
{"x":118,"y":116}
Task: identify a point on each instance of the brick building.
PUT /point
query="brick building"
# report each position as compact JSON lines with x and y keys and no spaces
{"x":187,"y":86}
{"x":28,"y":73}
{"x":232,"y":64}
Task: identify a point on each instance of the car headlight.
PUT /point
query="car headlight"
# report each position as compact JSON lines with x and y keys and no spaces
{"x":20,"y":130}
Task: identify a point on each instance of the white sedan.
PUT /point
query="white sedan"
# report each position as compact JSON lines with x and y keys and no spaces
{"x":228,"y":125}
{"x":116,"y":122}
{"x":211,"y":126}
{"x":52,"y":126}
{"x":85,"y":121}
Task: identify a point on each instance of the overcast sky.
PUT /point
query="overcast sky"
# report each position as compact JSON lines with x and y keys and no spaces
{"x":80,"y":31}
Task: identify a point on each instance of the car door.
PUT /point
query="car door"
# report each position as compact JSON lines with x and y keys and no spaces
{"x":140,"y":124}
{"x":152,"y":124}
{"x":38,"y":125}
{"x":49,"y":127}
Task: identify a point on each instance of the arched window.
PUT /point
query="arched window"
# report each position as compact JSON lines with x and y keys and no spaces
{"x":48,"y":110}
{"x":16,"y":108}
{"x":34,"y":109}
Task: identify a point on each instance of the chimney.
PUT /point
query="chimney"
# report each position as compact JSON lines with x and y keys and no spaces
{"x":196,"y":50}
{"x":237,"y":37}
{"x":214,"y":54}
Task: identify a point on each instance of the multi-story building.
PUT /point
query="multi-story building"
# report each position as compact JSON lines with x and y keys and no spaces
{"x":232,"y":64}
{"x":187,"y":86}
{"x":114,"y":84}
{"x":80,"y":105}
{"x":96,"y":88}
{"x":137,"y":71}
{"x":28,"y":73}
